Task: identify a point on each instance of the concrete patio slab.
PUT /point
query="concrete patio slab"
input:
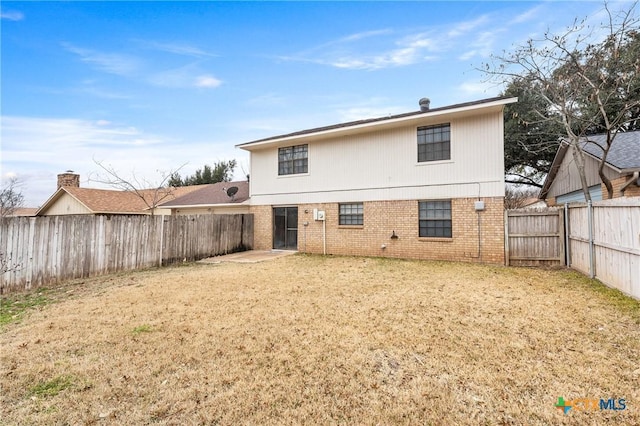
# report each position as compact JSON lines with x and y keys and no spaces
{"x":251,"y":256}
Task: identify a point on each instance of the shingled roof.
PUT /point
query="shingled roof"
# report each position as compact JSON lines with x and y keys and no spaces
{"x":624,"y":152}
{"x":212,"y":194}
{"x":107,"y":201}
{"x":623,"y":156}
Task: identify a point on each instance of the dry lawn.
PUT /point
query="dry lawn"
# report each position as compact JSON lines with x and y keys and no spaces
{"x":315,"y":340}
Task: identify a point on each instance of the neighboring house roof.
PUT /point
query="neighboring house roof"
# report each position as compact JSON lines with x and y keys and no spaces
{"x":623,"y":156}
{"x":533,"y":202}
{"x":212,"y":194}
{"x":352,"y":125}
{"x":624,"y":153}
{"x":23,"y":211}
{"x":106,"y":201}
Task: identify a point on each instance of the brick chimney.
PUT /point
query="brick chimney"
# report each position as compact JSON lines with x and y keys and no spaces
{"x":68,"y":178}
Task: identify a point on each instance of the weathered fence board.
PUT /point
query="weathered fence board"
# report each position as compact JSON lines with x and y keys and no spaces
{"x":45,"y":250}
{"x":605,"y":242}
{"x":534,"y":238}
{"x":602,"y":240}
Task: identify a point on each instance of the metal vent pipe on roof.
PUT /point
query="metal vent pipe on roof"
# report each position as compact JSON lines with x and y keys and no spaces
{"x":424,"y":104}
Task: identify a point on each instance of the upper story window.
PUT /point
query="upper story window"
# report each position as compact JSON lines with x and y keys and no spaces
{"x":351,"y":214}
{"x":435,"y":219}
{"x":434,"y":143}
{"x":293,"y":160}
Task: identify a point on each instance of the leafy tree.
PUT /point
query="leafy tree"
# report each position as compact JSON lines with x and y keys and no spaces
{"x":531,"y":140}
{"x":222,"y":171}
{"x":587,"y":83}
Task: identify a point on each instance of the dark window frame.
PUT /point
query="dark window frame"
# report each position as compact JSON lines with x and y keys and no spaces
{"x":434,"y":142}
{"x":435,"y":219}
{"x":351,"y":214}
{"x":293,"y":160}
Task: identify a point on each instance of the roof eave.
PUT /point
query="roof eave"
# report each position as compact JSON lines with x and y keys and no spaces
{"x":195,"y":206}
{"x":391,"y":122}
{"x":56,"y":195}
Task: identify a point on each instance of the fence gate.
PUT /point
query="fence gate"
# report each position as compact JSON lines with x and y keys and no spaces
{"x":534,"y":238}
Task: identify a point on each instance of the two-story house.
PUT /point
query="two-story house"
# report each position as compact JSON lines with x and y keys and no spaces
{"x":427,"y":184}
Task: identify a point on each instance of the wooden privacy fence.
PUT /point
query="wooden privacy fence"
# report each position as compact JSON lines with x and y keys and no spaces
{"x":604,"y":242}
{"x":600,"y":240}
{"x":534,"y":237}
{"x":43,"y":250}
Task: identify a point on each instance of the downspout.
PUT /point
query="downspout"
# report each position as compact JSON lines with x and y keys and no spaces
{"x":634,"y":178}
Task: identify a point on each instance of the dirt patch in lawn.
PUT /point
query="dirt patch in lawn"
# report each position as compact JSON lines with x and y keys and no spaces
{"x":324,"y":340}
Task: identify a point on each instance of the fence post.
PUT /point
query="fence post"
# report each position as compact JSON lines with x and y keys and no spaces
{"x":592,"y":272}
{"x":567,"y":237}
{"x":561,"y":237}
{"x":506,"y":237}
{"x":161,"y":239}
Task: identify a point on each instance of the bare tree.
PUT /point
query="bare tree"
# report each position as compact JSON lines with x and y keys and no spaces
{"x":151,"y":193}
{"x":517,"y":198}
{"x":11,"y":199}
{"x":588,"y":77}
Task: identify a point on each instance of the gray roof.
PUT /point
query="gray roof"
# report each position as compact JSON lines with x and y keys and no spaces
{"x":624,"y":152}
{"x":215,"y":193}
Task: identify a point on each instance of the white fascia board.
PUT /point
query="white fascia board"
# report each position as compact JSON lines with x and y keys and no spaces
{"x":378,"y":125}
{"x":195,"y":206}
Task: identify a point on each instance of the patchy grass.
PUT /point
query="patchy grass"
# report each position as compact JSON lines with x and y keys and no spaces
{"x":51,"y":387}
{"x":325,"y":340}
{"x":13,"y":307}
{"x":145,"y":328}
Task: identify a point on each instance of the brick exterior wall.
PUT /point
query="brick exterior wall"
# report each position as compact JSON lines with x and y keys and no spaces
{"x":631,"y":191}
{"x":68,"y":179}
{"x":382,"y":218}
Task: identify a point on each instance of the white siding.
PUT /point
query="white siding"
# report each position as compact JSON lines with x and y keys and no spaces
{"x":568,"y":179}
{"x":382,"y":165}
{"x":64,"y":205}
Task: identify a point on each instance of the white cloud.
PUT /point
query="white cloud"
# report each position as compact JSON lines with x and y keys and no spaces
{"x":207,"y":81}
{"x":410,"y":50}
{"x":365,"y":34}
{"x":527,"y":15}
{"x":465,"y":27}
{"x":36,"y":149}
{"x":391,"y":49}
{"x":12,"y":15}
{"x":176,"y":48}
{"x":112,"y":63}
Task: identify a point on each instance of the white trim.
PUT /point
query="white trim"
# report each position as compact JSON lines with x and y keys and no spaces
{"x":358,"y":128}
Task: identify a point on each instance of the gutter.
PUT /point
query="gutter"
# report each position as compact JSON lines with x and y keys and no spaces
{"x":634,"y":178}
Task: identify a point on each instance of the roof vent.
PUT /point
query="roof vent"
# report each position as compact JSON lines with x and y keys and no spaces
{"x":424,"y":104}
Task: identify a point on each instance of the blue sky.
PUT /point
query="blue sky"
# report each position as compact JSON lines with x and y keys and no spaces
{"x":146,"y":87}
